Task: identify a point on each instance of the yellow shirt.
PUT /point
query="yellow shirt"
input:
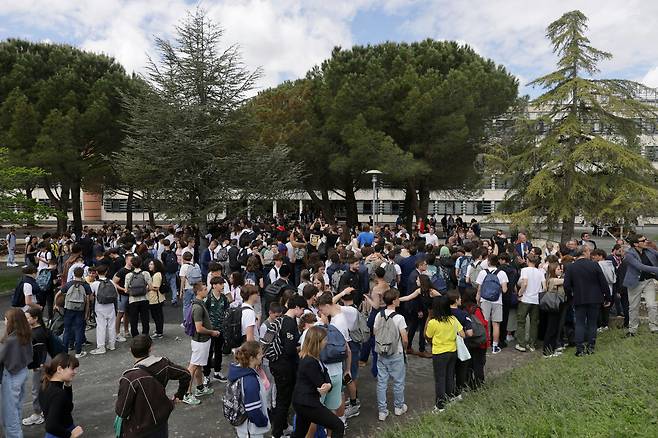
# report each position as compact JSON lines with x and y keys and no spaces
{"x":443,"y":335}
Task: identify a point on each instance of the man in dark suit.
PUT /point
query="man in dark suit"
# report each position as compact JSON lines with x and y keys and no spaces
{"x":585,"y":282}
{"x":207,"y":256}
{"x":415,"y":321}
{"x":523,"y":246}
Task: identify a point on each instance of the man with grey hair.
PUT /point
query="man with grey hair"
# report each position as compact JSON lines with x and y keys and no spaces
{"x":585,"y":282}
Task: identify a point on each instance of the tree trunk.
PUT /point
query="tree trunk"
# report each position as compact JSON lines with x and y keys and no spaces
{"x":129,"y":209}
{"x":61,"y":204}
{"x":151,"y":218}
{"x":327,"y":208}
{"x":28,"y":194}
{"x":424,"y":202}
{"x":76,"y":206}
{"x":350,"y":204}
{"x":410,"y":204}
{"x":568,"y":227}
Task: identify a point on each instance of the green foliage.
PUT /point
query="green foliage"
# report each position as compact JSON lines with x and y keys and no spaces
{"x":60,"y":112}
{"x":595,"y":396}
{"x":562,"y":164}
{"x":190,"y":141}
{"x":15,"y":207}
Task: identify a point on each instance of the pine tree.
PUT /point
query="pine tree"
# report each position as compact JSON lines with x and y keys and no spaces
{"x":582,"y":157}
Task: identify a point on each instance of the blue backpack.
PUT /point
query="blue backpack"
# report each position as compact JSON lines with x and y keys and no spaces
{"x":490,"y":289}
{"x":188,"y":322}
{"x":438,"y":282}
{"x":335,"y":350}
{"x":463,"y":268}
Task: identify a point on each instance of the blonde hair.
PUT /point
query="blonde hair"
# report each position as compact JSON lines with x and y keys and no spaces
{"x":313,"y":342}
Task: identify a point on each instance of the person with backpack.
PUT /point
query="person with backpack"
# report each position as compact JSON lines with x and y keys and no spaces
{"x":15,"y":355}
{"x":137,"y":285}
{"x":313,"y":382}
{"x":105,"y":307}
{"x":531,"y":283}
{"x":198,"y":326}
{"x":492,"y":284}
{"x":75,"y":294}
{"x":217,"y":305}
{"x":190,"y":274}
{"x":156,"y":295}
{"x":274,"y":291}
{"x":56,"y":397}
{"x":275,"y":311}
{"x":461,"y":267}
{"x":171,"y":266}
{"x":284,"y":364}
{"x":443,"y":330}
{"x":476,"y":266}
{"x":510,"y":299}
{"x":462,"y":368}
{"x":390,"y":330}
{"x":477,"y":343}
{"x":34,"y":317}
{"x":27,"y":290}
{"x":119,"y":281}
{"x":245,"y":396}
{"x":142,"y":401}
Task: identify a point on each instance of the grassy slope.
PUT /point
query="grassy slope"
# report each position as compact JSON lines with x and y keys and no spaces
{"x":613,"y":393}
{"x":8,"y":280}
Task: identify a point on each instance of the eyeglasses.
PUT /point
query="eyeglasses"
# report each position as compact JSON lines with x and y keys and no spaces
{"x":641,"y":240}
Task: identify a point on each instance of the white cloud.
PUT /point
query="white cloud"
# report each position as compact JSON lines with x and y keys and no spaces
{"x":651,"y":78}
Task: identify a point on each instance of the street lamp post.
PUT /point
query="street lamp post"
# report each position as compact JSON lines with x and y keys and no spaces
{"x":375,"y":196}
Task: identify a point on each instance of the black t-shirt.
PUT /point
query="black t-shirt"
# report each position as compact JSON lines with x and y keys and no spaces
{"x":289,"y":340}
{"x":121,"y":274}
{"x":332,"y":238}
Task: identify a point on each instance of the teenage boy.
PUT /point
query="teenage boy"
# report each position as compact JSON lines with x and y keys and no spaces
{"x":74,"y":310}
{"x":200,"y":344}
{"x":27,"y":289}
{"x":284,"y":369}
{"x":531,"y":283}
{"x":275,"y":311}
{"x":105,"y":291}
{"x":142,"y":401}
{"x":190,"y":274}
{"x":493,"y":310}
{"x":137,"y":284}
{"x":391,"y":364}
{"x":249,"y":323}
{"x":217,"y":304}
{"x":170,"y":262}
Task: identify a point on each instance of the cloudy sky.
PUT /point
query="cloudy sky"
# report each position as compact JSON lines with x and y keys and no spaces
{"x":287,"y":37}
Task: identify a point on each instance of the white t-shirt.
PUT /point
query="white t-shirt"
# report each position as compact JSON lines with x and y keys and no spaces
{"x":184,"y":268}
{"x":46,"y":255}
{"x":234,"y":293}
{"x":248,"y":320}
{"x":534,"y":287}
{"x":274,"y":274}
{"x":502,"y":278}
{"x":85,"y":272}
{"x":345,"y":321}
{"x":399,"y":322}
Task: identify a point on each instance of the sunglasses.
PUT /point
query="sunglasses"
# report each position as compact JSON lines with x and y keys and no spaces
{"x":641,"y":240}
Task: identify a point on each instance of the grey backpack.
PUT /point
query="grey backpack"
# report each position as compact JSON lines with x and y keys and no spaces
{"x":75,"y":297}
{"x":138,"y":285}
{"x":233,"y":403}
{"x":387,"y":335}
{"x":107,"y":293}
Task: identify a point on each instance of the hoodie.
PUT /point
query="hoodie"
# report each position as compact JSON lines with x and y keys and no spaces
{"x":142,"y":401}
{"x":254,"y":393}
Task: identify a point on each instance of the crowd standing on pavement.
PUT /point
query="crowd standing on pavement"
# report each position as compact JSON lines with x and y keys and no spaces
{"x":284,"y":312}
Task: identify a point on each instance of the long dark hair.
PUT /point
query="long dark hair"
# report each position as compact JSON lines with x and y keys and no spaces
{"x":17,"y":323}
{"x":157,"y":266}
{"x":50,"y":368}
{"x":441,"y":309}
{"x":425,"y":284}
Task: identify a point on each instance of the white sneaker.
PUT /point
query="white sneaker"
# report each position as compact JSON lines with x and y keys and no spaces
{"x":81,"y":354}
{"x":120,"y":338}
{"x":206,"y":380}
{"x":191,"y":400}
{"x":33,"y":419}
{"x":531,"y":349}
{"x":98,"y":351}
{"x":111,"y":347}
{"x":383,"y":416}
{"x":402,"y":410}
{"x":509,"y":338}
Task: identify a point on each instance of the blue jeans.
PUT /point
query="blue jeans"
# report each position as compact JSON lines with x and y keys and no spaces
{"x":392,"y":367}
{"x":355,"y":347}
{"x":188,"y":296}
{"x":171,"y":279}
{"x":12,"y":401}
{"x":74,"y":326}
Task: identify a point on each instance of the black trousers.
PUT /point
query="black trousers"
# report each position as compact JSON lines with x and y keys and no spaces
{"x":319,"y":415}
{"x":285,"y":375}
{"x":586,"y":318}
{"x":139,"y":311}
{"x":552,"y":331}
{"x":417,"y":324}
{"x":158,"y":317}
{"x":444,"y":376}
{"x":477,"y":362}
{"x":215,"y":355}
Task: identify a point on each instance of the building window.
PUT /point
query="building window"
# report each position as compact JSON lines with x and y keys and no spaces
{"x":447,"y":207}
{"x":478,"y":208}
{"x":121,"y":206}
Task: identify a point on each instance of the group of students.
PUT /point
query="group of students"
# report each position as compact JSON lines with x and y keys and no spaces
{"x":301,"y":308}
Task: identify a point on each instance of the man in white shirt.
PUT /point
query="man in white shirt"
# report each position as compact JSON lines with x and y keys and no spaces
{"x":79,"y":263}
{"x":493,"y":309}
{"x":430,"y":238}
{"x":249,"y":323}
{"x":11,"y":247}
{"x":531,"y":283}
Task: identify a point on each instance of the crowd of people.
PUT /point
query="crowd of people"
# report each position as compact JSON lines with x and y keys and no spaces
{"x":285,"y":313}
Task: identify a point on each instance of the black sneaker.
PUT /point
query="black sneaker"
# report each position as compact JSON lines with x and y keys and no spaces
{"x":220,"y":377}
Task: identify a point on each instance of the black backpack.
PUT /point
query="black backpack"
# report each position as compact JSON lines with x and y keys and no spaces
{"x":232,"y":328}
{"x":246,"y":238}
{"x":479,"y":333}
{"x":18,"y":299}
{"x":274,"y":290}
{"x":243,"y":256}
{"x":170,"y":261}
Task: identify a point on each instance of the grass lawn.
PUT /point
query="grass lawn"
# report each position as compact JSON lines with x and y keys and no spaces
{"x":9,"y":280}
{"x":613,"y":393}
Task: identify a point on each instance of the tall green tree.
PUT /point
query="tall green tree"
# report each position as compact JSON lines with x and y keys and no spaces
{"x":191,"y":142}
{"x":60,"y":112}
{"x":582,"y":157}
